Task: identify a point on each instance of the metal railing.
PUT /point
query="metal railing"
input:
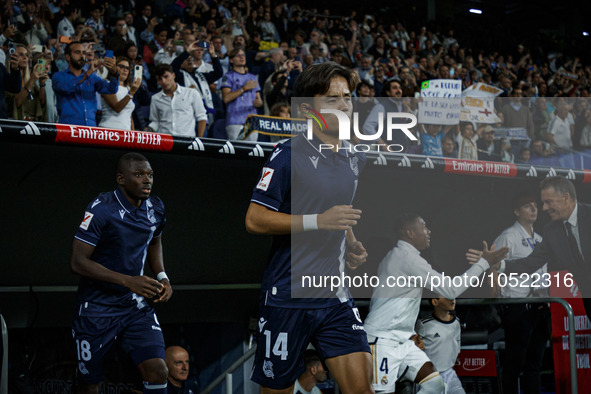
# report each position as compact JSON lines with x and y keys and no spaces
{"x":571,"y":324}
{"x":4,"y":374}
{"x":227,"y":374}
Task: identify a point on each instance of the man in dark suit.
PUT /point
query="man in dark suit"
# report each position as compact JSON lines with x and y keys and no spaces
{"x":566,"y":243}
{"x":488,"y":148}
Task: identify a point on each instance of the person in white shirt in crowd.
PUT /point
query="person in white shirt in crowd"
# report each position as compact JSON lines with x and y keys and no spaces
{"x":393,"y":310}
{"x":118,"y":108}
{"x":37,"y":35}
{"x":131,"y":33}
{"x":314,"y":374}
{"x":467,"y":149}
{"x":560,"y":129}
{"x":176,"y":109}
{"x":441,"y":333}
{"x":66,"y":27}
{"x":187,"y":75}
{"x":527,"y":326}
{"x":167,"y":53}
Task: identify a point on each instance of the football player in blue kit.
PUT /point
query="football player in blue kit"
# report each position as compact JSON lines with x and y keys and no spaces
{"x":120,"y":231}
{"x":304,"y":199}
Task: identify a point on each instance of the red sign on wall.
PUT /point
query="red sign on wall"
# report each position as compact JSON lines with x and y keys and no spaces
{"x":99,"y":136}
{"x":476,"y":363}
{"x":560,"y":342}
{"x":472,"y":167}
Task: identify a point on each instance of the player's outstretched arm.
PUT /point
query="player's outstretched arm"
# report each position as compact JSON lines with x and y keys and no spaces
{"x":264,"y":221}
{"x":156,"y":261}
{"x":81,"y":264}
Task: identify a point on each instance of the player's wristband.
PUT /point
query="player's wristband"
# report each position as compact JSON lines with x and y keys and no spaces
{"x":310,"y":222}
{"x":161,"y":276}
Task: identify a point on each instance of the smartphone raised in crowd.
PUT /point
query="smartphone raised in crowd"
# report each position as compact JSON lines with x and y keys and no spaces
{"x":64,"y":40}
{"x":138,"y":71}
{"x":109,"y":54}
{"x":41,"y":62}
{"x":203,"y":44}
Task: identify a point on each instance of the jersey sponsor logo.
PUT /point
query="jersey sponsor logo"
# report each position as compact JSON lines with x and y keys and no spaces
{"x":354,"y":163}
{"x":262,"y":323}
{"x":86,"y":221}
{"x":122,"y":213}
{"x":275,"y":154}
{"x":95,"y":203}
{"x":268,"y":369}
{"x":314,"y":160}
{"x":265,"y":179}
{"x":82,"y":368}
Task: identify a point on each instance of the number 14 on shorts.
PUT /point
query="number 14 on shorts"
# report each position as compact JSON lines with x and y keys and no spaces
{"x":280,"y":347}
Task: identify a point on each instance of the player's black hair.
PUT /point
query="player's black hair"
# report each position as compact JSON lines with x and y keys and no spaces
{"x":560,"y":184}
{"x":127,"y":158}
{"x":315,"y":80}
{"x":403,"y":222}
{"x":311,"y":357}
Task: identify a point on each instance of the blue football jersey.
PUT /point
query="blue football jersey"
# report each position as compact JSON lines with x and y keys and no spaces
{"x":300,"y":179}
{"x":121,"y":234}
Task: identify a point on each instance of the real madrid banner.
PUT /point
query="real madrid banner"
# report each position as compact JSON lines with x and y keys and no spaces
{"x":273,"y":125}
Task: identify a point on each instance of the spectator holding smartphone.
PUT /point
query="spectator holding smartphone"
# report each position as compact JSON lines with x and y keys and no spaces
{"x":118,"y":108}
{"x":29,"y":103}
{"x":9,"y":82}
{"x":51,"y":114}
{"x":76,"y":89}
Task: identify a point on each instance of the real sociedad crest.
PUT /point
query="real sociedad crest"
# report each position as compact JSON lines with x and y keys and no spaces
{"x":151,"y":216}
{"x":353,"y":161}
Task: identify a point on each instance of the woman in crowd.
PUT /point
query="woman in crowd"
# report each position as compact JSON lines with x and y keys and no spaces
{"x":117,"y":108}
{"x":30,"y":103}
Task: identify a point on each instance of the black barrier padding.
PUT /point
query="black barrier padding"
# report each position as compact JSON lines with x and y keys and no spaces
{"x":47,"y":188}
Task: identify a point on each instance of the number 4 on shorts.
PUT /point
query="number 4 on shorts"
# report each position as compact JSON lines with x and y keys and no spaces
{"x":280,"y":347}
{"x":384,"y":366}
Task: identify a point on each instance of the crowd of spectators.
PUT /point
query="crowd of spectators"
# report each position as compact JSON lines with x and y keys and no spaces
{"x":200,"y":67}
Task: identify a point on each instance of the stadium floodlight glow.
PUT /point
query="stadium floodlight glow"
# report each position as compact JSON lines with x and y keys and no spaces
{"x":475,"y":11}
{"x":586,"y":33}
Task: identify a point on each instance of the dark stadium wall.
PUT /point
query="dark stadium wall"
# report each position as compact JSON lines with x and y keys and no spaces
{"x":46,"y":189}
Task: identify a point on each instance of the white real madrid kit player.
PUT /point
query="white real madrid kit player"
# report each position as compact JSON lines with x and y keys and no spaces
{"x":394,"y":310}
